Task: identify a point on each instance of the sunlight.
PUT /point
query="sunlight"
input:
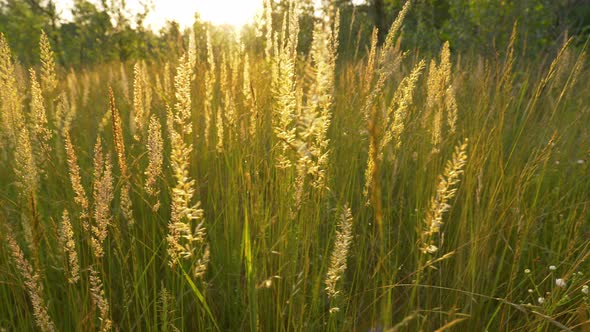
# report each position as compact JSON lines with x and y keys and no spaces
{"x":232,"y":12}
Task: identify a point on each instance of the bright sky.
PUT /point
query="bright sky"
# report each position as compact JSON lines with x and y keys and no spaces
{"x":234,"y":12}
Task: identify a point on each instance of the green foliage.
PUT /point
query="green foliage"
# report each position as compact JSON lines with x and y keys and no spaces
{"x":478,"y":26}
{"x":482,"y":25}
{"x":18,"y":19}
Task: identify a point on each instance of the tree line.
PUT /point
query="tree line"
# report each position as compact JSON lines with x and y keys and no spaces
{"x":102,"y":31}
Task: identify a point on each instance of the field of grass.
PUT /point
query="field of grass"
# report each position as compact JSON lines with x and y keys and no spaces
{"x":268,"y":190}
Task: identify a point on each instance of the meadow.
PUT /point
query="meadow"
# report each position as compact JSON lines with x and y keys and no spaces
{"x":262,"y":189}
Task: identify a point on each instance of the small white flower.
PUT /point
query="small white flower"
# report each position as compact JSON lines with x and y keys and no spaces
{"x":530,"y":291}
{"x":552,"y":268}
{"x":431,"y":249}
{"x":585,"y":289}
{"x":580,"y":161}
{"x":334,"y":310}
{"x":560,"y":283}
{"x":527,"y":271}
{"x":541,"y":300}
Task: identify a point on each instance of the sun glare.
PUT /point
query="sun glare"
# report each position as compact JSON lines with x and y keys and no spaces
{"x":232,"y":12}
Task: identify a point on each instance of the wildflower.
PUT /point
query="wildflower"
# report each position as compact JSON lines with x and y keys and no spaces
{"x":431,"y":249}
{"x":552,"y":268}
{"x":267,"y":283}
{"x":541,"y":300}
{"x":560,"y":283}
{"x":527,"y":271}
{"x":585,"y":289}
{"x":580,"y":161}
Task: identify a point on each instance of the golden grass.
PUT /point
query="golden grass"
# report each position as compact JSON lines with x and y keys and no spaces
{"x":240,"y":166}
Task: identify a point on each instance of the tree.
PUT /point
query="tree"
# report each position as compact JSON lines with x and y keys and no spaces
{"x":379,"y":12}
{"x":22,"y":27}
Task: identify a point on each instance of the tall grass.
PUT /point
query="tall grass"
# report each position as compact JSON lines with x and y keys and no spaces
{"x":284,"y":191}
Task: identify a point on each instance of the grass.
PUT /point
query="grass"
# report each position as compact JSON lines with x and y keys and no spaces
{"x":521,"y":200}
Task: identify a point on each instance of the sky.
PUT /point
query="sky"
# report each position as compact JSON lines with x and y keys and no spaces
{"x":233,"y":12}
